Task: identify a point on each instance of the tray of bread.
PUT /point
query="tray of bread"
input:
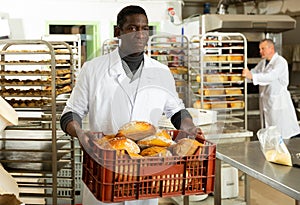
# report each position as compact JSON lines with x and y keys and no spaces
{"x":142,"y":162}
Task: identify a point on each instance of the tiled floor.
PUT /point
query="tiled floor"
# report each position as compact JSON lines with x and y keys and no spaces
{"x":260,"y":194}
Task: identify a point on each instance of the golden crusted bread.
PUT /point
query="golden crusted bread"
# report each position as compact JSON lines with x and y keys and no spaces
{"x":155,"y":141}
{"x":136,"y":130}
{"x":121,"y":143}
{"x":104,"y":139}
{"x":185,"y":147}
{"x":163,"y":133}
{"x":156,"y":151}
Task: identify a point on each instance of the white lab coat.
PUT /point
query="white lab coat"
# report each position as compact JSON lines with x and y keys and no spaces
{"x":276,"y":106}
{"x":105,"y":92}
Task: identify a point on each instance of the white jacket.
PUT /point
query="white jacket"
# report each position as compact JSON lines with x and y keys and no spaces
{"x":105,"y":93}
{"x":276,"y":106}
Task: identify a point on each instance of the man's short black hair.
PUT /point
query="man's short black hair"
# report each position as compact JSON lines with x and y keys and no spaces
{"x":127,"y":11}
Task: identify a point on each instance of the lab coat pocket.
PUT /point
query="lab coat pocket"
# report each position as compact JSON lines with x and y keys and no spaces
{"x":277,"y":102}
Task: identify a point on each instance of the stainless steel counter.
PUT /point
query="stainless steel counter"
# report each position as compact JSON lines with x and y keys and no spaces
{"x":248,"y":158}
{"x":222,"y":133}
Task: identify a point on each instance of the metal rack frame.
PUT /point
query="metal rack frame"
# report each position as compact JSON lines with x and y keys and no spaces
{"x":62,"y":147}
{"x":173,"y":51}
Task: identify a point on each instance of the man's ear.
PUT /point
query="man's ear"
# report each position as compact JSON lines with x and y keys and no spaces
{"x":117,"y":31}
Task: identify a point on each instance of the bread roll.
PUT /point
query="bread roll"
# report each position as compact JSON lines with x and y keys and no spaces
{"x":185,"y":147}
{"x":156,"y":151}
{"x":101,"y":141}
{"x":135,"y":155}
{"x":136,"y":130}
{"x":121,"y":143}
{"x":155,"y":141}
{"x":163,"y":133}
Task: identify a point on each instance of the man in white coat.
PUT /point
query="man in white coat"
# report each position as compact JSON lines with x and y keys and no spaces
{"x":122,"y":86}
{"x":272,"y":76}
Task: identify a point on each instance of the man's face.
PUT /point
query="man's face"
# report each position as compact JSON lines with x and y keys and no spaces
{"x":266,"y":50}
{"x":134,"y":34}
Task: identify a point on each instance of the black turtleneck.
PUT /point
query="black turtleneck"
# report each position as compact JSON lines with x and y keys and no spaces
{"x":267,"y":62}
{"x":133,"y":62}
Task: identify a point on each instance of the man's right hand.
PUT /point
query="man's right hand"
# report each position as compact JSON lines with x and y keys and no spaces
{"x":247,"y":73}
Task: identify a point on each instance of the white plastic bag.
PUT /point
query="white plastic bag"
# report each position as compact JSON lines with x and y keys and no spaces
{"x":273,"y":146}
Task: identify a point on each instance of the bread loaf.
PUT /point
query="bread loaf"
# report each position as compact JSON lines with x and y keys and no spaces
{"x":120,"y":143}
{"x":185,"y":147}
{"x":136,"y":130}
{"x":219,"y":105}
{"x":234,"y":91}
{"x":197,"y":104}
{"x":155,"y":141}
{"x":235,"y":58}
{"x":156,"y":151}
{"x":209,"y":92}
{"x":237,"y":104}
{"x":163,"y":133}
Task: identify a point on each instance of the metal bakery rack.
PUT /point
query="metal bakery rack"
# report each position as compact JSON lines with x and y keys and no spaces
{"x":34,"y":75}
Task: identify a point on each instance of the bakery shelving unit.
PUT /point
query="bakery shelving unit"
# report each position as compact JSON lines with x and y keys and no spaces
{"x":173,"y":51}
{"x":109,"y":45}
{"x":34,"y":73}
{"x":195,"y":66}
{"x":74,"y":41}
{"x":221,"y":85}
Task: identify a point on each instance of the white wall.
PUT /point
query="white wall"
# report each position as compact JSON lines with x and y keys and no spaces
{"x":28,"y":18}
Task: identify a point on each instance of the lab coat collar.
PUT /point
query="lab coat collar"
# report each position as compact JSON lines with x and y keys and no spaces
{"x":269,"y":66}
{"x":273,"y":58}
{"x":115,"y":63}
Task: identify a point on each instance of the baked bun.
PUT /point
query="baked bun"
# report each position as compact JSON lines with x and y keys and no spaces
{"x":185,"y":147}
{"x":120,"y":143}
{"x":156,"y":152}
{"x":101,"y":141}
{"x":155,"y":141}
{"x":136,"y":130}
{"x":163,"y":133}
{"x":135,"y":155}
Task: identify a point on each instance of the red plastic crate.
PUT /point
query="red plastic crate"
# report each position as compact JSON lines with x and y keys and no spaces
{"x":115,"y":177}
